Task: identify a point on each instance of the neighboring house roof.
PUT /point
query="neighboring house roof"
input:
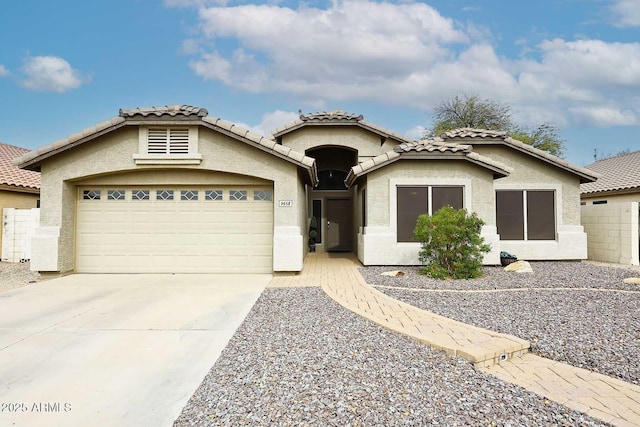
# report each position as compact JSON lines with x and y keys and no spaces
{"x":11,"y":175}
{"x":337,"y":118}
{"x":619,"y":173}
{"x":434,"y":149}
{"x":484,"y":136}
{"x":196,"y":115}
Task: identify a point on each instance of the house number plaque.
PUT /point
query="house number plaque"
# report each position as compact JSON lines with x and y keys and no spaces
{"x":286,"y":203}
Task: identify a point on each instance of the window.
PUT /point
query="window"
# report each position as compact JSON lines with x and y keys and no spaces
{"x":415,"y":201}
{"x":188,"y":195}
{"x":168,"y":141}
{"x":91,"y":195}
{"x":526,"y":214}
{"x":600,"y":202}
{"x":317,"y":214}
{"x":164,"y":195}
{"x":262,"y":195}
{"x":215,"y":195}
{"x":237,"y":195}
{"x":115,"y":194}
{"x":140,"y":195}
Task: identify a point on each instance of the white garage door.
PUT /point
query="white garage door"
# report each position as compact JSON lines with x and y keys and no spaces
{"x":174,"y":230}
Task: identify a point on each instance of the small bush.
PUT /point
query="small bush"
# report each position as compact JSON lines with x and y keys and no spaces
{"x":451,"y":246}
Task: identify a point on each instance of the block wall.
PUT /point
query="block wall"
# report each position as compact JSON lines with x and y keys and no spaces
{"x":612,"y":232}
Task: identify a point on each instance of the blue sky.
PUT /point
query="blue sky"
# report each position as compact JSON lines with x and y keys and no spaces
{"x":66,"y":65}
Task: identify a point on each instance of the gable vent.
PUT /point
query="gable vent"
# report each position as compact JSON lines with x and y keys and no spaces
{"x":168,"y":141}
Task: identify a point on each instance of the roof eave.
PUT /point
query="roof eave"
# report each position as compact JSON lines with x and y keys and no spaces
{"x":306,"y":163}
{"x":599,"y":193}
{"x":584,"y":177}
{"x":33,"y":164}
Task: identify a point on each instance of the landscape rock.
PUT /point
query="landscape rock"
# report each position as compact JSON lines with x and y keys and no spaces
{"x":394,"y":273}
{"x":519,"y":267}
{"x":632,"y":281}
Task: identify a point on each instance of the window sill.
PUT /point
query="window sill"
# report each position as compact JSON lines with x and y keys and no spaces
{"x":148,"y":159}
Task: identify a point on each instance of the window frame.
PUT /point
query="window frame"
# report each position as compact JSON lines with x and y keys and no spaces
{"x":143,"y":157}
{"x":428,"y":197}
{"x":556,"y":209}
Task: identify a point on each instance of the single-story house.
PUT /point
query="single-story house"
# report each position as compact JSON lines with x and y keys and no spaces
{"x":619,"y":180}
{"x":19,"y":188}
{"x":172,"y":189}
{"x":610,"y":210}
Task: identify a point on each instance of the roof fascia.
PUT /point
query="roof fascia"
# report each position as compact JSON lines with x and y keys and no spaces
{"x":34,"y":164}
{"x":601,"y":193}
{"x":311,"y":169}
{"x":497,"y":172}
{"x":584,"y":178}
{"x":19,"y":189}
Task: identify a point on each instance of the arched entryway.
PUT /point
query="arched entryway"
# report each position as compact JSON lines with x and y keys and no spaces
{"x":330,"y":202}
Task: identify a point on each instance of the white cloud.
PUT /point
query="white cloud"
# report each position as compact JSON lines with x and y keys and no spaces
{"x":626,"y":13}
{"x":416,"y":133}
{"x":270,"y":122}
{"x":408,"y":54}
{"x":3,"y":71}
{"x":50,"y":74}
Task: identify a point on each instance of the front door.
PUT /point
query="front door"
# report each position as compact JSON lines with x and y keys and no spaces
{"x":339,"y":234}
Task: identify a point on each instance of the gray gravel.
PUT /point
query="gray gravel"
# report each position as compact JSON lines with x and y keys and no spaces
{"x":596,"y":330}
{"x":17,"y":275}
{"x":301,"y":359}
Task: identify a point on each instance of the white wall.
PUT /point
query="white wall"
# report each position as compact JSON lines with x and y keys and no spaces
{"x":612,"y":231}
{"x":19,"y":226}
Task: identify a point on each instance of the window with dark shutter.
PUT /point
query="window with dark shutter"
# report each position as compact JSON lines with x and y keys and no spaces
{"x":538,"y":213}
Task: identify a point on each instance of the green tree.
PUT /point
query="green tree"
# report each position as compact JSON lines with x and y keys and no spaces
{"x":451,"y":245}
{"x":471,"y":111}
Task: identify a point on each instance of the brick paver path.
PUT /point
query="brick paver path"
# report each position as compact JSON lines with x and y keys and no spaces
{"x":597,"y":395}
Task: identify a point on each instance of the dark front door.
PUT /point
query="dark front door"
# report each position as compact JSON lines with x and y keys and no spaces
{"x":339,"y":230}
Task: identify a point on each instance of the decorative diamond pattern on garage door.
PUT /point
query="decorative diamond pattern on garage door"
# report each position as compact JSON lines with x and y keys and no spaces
{"x":200,"y":230}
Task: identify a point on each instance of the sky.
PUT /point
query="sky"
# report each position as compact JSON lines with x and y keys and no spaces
{"x":68,"y":64}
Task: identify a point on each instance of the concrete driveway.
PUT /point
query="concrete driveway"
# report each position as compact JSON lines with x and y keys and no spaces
{"x":125,"y":350}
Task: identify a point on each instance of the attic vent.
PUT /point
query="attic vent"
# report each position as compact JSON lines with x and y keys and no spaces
{"x":168,"y":141}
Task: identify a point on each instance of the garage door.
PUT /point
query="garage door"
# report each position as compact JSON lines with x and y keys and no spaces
{"x":174,"y":230}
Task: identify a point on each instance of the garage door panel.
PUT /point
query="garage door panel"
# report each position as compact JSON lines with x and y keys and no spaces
{"x":174,"y":235}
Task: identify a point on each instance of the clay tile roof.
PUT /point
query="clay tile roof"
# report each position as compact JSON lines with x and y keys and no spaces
{"x":433,"y":145}
{"x":474,"y":133}
{"x":428,"y":149}
{"x":337,"y":117}
{"x":618,"y":173}
{"x":10,"y":174}
{"x":167,"y":110}
{"x":331,"y":116}
{"x":484,"y":136}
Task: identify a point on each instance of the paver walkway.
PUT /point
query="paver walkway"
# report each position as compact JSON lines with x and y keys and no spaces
{"x":504,"y":356}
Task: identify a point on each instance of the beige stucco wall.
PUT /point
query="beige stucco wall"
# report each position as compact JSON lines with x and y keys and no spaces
{"x":18,"y":200}
{"x":367,"y":143}
{"x":479,"y":198}
{"x":612,"y":198}
{"x":377,"y":242}
{"x":113,"y":154}
{"x":530,"y":173}
{"x":613,"y":232}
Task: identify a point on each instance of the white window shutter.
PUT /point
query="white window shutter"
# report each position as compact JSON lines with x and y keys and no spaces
{"x":178,"y":141}
{"x":157,"y":141}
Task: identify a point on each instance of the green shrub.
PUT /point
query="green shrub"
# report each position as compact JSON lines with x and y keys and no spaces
{"x":451,"y":246}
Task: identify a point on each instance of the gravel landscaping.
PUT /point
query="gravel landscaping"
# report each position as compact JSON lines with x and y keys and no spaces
{"x":593,"y":329}
{"x":14,"y":276}
{"x":301,"y":359}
